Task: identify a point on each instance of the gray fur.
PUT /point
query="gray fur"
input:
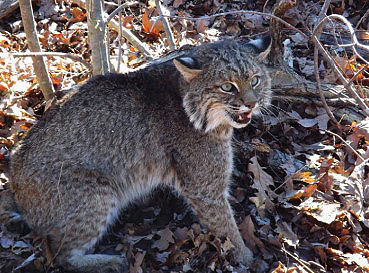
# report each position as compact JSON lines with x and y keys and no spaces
{"x":119,"y":136}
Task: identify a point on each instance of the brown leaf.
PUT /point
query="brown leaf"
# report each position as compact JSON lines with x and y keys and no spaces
{"x":247,"y":230}
{"x":287,"y":234}
{"x":78,"y":15}
{"x":304,"y":176}
{"x":151,"y":28}
{"x":262,"y":181}
{"x":136,"y":267}
{"x":127,"y":21}
{"x":166,"y":237}
{"x":201,"y":26}
{"x":321,"y":210}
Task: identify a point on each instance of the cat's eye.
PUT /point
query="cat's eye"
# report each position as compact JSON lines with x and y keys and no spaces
{"x":255,"y":81}
{"x":228,"y":87}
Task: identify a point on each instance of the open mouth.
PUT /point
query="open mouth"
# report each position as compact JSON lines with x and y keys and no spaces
{"x":242,"y":117}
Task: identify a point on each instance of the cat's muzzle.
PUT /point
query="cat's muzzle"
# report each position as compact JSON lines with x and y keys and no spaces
{"x":242,"y":117}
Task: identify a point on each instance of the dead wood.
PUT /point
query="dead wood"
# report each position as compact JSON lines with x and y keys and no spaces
{"x":7,"y":7}
{"x":291,"y":87}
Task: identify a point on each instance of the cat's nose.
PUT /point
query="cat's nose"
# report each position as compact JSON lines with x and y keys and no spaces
{"x":248,"y":99}
{"x":249,"y":104}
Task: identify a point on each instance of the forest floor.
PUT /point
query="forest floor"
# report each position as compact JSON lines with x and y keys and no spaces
{"x":301,"y":186}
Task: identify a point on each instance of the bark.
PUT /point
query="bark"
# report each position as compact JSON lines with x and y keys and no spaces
{"x":7,"y":7}
{"x":34,"y":46}
{"x":97,"y":38}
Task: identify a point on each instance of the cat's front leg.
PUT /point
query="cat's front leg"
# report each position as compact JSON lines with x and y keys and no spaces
{"x":216,"y":214}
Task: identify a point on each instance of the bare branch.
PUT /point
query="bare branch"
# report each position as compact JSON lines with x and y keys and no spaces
{"x":346,"y":143}
{"x":322,"y":14}
{"x":362,"y":19}
{"x":125,"y":31}
{"x":330,"y":60}
{"x":167,"y":28}
{"x":317,"y":77}
{"x":119,"y":37}
{"x":119,"y":9}
{"x":239,"y":12}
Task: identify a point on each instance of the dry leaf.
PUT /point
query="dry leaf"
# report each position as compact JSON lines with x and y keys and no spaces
{"x":166,"y":237}
{"x":78,"y":15}
{"x":151,"y":28}
{"x":201,"y":26}
{"x":136,"y":267}
{"x":247,"y":230}
{"x":322,"y":210}
{"x":262,"y":181}
{"x":286,"y":233}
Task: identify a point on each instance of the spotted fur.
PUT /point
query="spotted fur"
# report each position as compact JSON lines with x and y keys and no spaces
{"x":119,"y":136}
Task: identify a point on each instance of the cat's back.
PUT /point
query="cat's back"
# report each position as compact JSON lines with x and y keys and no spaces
{"x":102,"y":121}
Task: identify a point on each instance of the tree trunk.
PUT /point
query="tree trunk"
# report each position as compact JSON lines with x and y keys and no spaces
{"x":32,"y":40}
{"x":97,"y":38}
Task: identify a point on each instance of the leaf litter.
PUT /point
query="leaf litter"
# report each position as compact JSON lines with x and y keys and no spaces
{"x":301,"y":196}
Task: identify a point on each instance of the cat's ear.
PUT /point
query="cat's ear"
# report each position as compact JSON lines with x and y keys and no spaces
{"x":187,"y":66}
{"x":262,"y":46}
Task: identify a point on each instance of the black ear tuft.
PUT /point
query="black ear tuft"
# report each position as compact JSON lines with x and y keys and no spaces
{"x":261,"y":44}
{"x":189,"y":62}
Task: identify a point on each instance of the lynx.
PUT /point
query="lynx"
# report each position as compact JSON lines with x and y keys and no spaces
{"x":120,"y":136}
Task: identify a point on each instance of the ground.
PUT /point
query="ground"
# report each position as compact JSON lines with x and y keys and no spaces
{"x":301,"y":187}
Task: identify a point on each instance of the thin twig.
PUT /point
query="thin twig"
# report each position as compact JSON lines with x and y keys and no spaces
{"x":54,"y":54}
{"x":131,"y":38}
{"x":167,"y":28}
{"x":302,"y":263}
{"x":330,"y":60}
{"x":362,"y":19}
{"x":126,"y":32}
{"x":239,"y":12}
{"x":322,"y":14}
{"x":357,"y":74}
{"x":119,"y":38}
{"x":338,"y":102}
{"x":119,"y":9}
{"x":346,"y":143}
{"x":324,"y":9}
{"x":317,"y":77}
{"x":265,"y":4}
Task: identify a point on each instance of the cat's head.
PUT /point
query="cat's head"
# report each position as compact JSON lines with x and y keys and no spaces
{"x":225,"y":82}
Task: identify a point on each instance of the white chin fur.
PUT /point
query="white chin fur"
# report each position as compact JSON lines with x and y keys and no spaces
{"x":238,"y":125}
{"x":226,"y":120}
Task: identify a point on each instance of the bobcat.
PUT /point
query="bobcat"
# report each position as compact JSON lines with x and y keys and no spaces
{"x":121,"y":135}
